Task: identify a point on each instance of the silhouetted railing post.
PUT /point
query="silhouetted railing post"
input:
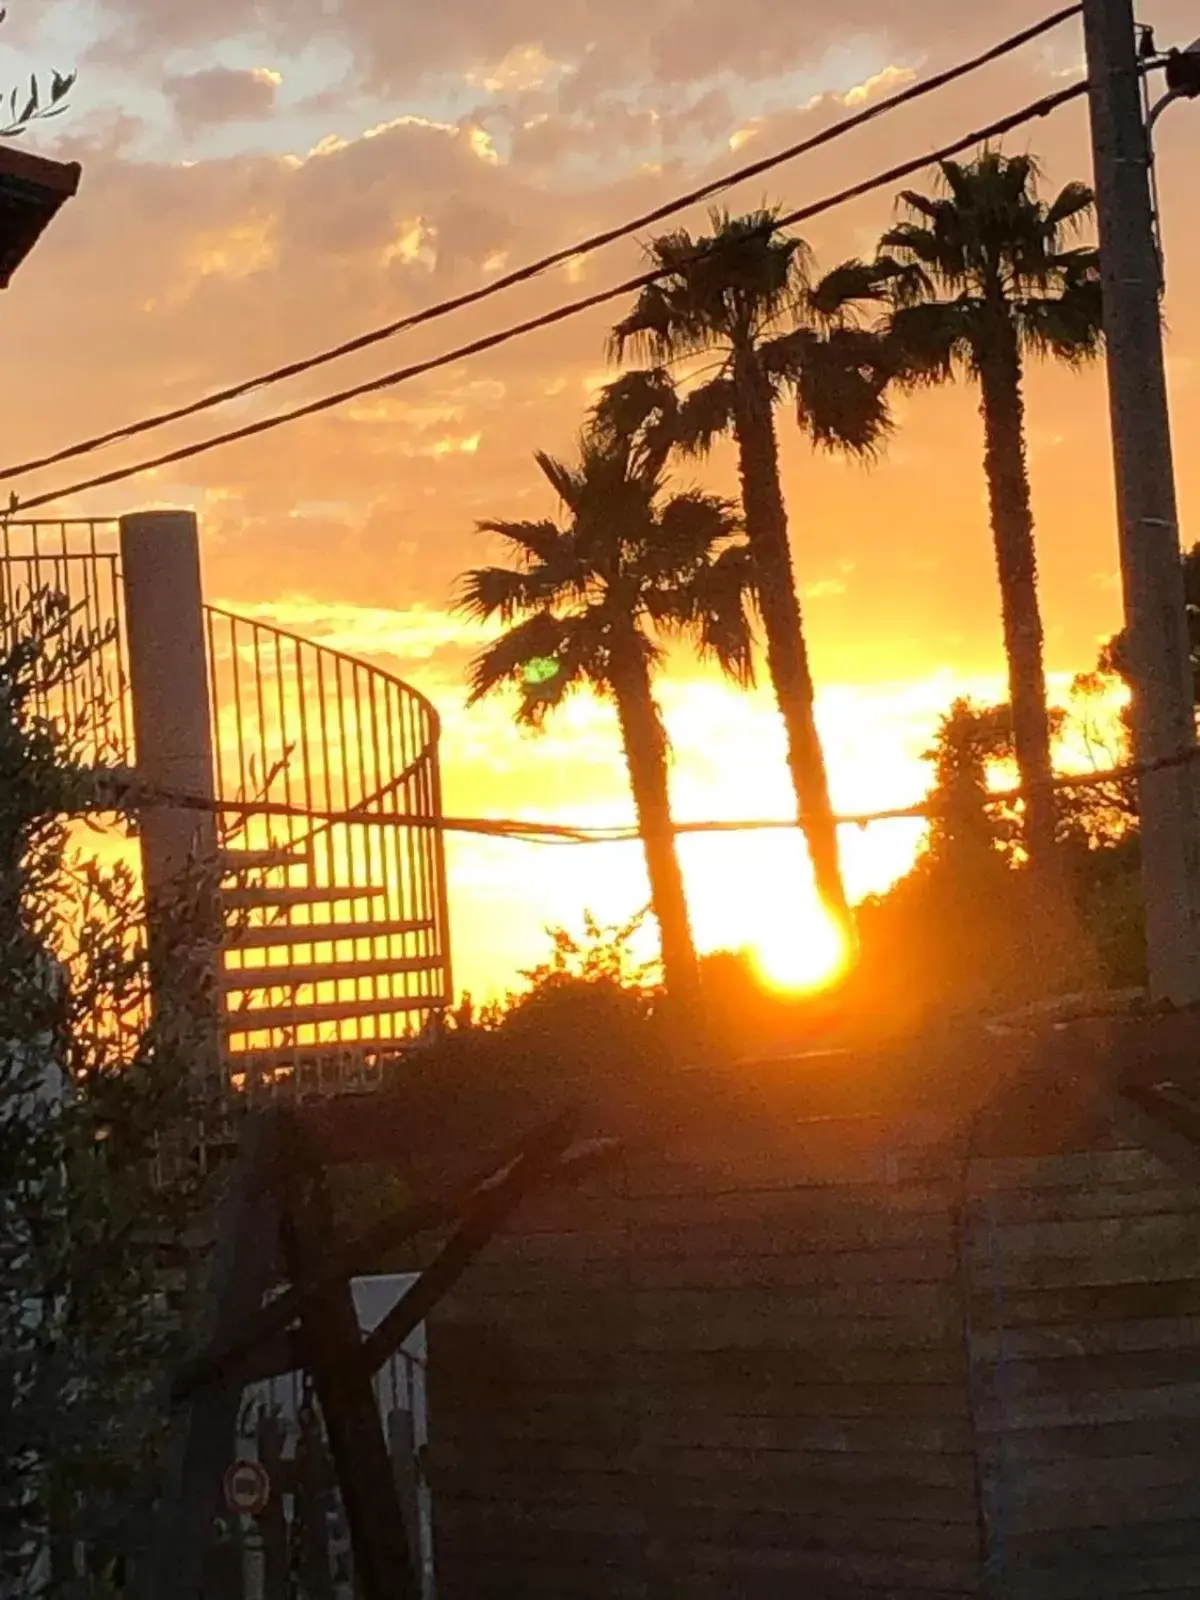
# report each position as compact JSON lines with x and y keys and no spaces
{"x":168,"y":671}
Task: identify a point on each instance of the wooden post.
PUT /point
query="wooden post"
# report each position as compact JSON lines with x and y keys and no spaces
{"x":203,"y":1447}
{"x":384,"y":1567}
{"x":273,"y":1522}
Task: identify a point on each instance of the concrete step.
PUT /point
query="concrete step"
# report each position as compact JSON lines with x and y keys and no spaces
{"x":265,"y":897}
{"x":269,"y":1019}
{"x":240,"y":980}
{"x":236,"y":862}
{"x":303,"y":934}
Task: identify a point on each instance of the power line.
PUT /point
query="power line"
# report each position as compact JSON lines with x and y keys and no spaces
{"x":138,"y":797}
{"x":556,"y":258}
{"x":994,"y":130}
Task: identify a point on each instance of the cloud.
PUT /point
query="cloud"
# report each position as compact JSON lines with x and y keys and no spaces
{"x":221,"y":95}
{"x":878,"y":84}
{"x":525,"y":66}
{"x":523,"y":44}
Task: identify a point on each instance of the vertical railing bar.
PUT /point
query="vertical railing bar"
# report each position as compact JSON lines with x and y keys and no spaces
{"x":346,"y":829}
{"x":407,"y":711}
{"x":95,"y":665}
{"x":118,"y":611}
{"x":100,"y":700}
{"x":419,"y":836}
{"x":439,"y":860}
{"x":356,"y":674}
{"x":306,"y":765}
{"x":261,"y":706}
{"x":283,"y":723}
{"x":393,"y":871}
{"x":322,"y":698}
{"x":297,"y":833}
{"x":214,"y":700}
{"x":361,"y":675}
{"x":234,"y":626}
{"x":9,"y":606}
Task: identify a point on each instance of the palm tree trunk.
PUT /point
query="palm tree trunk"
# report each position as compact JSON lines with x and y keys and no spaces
{"x":1016,"y":564}
{"x":645,"y":744}
{"x":787,"y":652}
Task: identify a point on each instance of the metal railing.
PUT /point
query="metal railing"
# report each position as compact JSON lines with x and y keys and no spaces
{"x":77,"y":559}
{"x":356,"y":907}
{"x":337,"y":939}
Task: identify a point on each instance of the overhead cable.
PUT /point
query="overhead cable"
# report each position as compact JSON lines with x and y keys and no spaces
{"x":994,"y":130}
{"x":556,"y":258}
{"x":124,"y":794}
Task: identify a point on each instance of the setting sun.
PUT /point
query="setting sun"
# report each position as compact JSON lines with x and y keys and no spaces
{"x":799,"y":953}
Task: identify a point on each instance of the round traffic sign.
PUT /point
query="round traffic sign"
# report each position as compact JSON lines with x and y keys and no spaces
{"x":247,"y":1487}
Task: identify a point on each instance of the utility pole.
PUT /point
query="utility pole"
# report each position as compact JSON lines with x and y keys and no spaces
{"x":1148,"y":517}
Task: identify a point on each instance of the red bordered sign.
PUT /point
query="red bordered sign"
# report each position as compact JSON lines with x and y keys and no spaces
{"x":247,"y":1487}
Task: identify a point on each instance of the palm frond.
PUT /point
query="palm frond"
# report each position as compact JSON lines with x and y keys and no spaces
{"x":533,"y":541}
{"x":1070,"y":328}
{"x":1070,"y":209}
{"x":636,"y":416}
{"x":840,"y":383}
{"x":845,"y":289}
{"x":626,"y":405}
{"x":907,"y":282}
{"x":538,"y":638}
{"x":722,"y":599}
{"x":916,"y":255}
{"x":580,"y":658}
{"x":704,"y":415}
{"x":924,"y":205}
{"x":925,"y":343}
{"x":652,"y":331}
{"x":564,"y":480}
{"x":501,"y":592}
{"x":689,"y":528}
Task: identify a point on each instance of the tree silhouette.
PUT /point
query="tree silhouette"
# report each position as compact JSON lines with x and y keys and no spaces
{"x":588,"y":602}
{"x":982,"y":279}
{"x":747,"y":292}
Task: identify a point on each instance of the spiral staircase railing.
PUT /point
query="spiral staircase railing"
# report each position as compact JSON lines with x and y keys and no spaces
{"x":336,"y":946}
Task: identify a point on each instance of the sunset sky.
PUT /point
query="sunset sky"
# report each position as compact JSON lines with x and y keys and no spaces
{"x":266,"y":177}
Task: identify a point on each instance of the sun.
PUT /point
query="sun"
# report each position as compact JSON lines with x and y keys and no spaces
{"x":799,"y":953}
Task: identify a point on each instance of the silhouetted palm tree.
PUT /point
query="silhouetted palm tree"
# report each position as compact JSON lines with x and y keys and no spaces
{"x":983,"y":278}
{"x":588,"y":602}
{"x":747,"y":292}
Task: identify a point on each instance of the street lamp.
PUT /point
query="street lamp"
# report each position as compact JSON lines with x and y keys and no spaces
{"x":1183,"y":78}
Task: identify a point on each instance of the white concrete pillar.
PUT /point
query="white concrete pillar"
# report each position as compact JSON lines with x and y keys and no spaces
{"x":169,"y":682}
{"x":168,"y":670}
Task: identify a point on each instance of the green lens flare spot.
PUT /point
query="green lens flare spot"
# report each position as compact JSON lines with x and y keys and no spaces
{"x":542,"y":669}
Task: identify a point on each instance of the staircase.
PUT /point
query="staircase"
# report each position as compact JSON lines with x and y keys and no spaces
{"x":336,"y":944}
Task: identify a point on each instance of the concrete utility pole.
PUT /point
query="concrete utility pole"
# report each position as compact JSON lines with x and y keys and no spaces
{"x":1148,"y":516}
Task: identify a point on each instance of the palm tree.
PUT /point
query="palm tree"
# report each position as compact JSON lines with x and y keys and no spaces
{"x":747,"y":292}
{"x":983,"y":278}
{"x":588,"y":603}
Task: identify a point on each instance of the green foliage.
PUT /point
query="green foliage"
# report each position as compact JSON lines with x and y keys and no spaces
{"x":38,"y":104}
{"x":1116,"y":659}
{"x":89,"y":1231}
{"x":954,"y":933}
{"x":592,"y":990}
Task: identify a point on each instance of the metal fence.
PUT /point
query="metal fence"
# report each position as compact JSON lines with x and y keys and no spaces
{"x":337,"y":939}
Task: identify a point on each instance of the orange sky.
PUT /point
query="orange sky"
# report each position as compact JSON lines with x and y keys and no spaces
{"x":261,"y":179}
